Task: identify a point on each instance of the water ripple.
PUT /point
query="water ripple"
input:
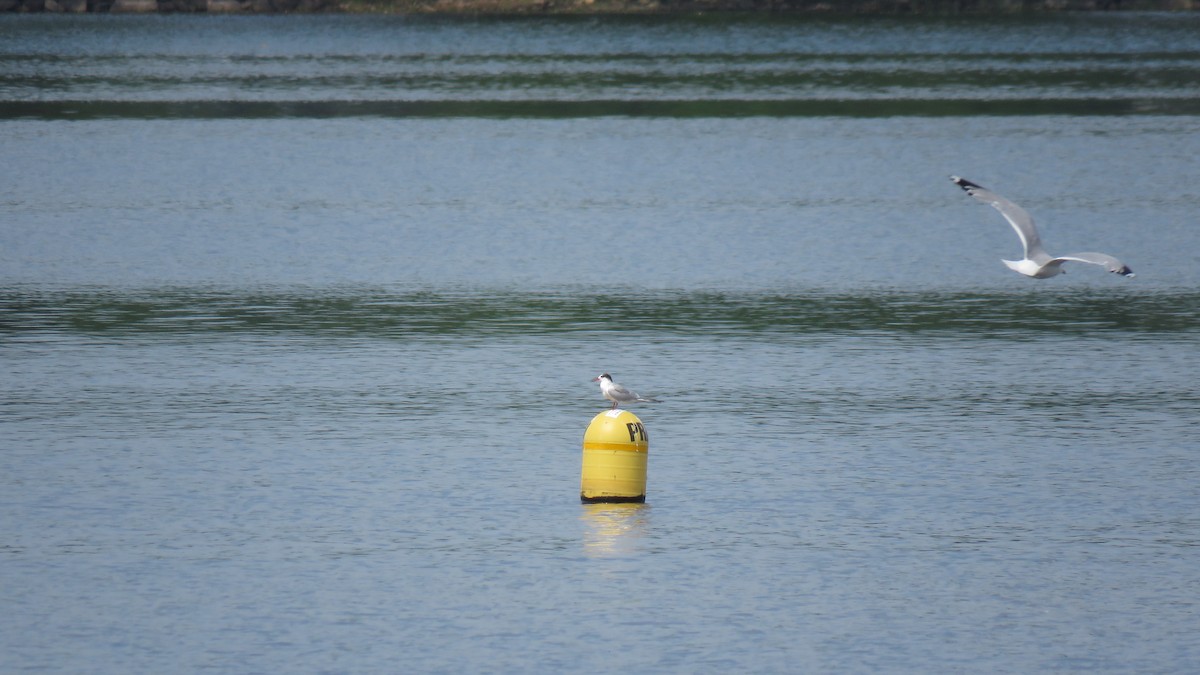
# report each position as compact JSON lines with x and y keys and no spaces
{"x":28,"y":312}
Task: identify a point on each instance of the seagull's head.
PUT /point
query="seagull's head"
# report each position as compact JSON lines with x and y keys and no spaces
{"x":602,"y":378}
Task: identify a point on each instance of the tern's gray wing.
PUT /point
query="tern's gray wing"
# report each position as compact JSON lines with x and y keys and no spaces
{"x":1103,"y":259}
{"x":622,"y":393}
{"x":1016,"y":216}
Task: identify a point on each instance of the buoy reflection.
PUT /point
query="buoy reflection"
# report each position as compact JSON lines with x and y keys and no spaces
{"x":613,"y":529}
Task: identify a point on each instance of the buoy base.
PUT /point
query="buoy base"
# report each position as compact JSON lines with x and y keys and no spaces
{"x":613,"y":499}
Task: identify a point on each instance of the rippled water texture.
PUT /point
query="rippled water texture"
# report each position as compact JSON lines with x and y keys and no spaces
{"x":685,"y":67}
{"x":298,"y":318}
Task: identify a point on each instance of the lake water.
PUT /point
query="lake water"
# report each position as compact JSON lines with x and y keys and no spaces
{"x":298,"y":317}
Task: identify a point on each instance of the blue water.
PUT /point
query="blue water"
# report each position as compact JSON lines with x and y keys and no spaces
{"x":298,"y":317}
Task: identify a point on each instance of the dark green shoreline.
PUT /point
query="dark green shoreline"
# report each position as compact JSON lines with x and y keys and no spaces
{"x":588,"y":7}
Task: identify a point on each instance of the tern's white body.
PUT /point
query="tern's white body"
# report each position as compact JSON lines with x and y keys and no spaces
{"x":618,"y":393}
{"x":1036,"y":263}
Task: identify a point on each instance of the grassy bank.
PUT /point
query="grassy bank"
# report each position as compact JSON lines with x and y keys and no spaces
{"x":585,"y":7}
{"x":590,"y":7}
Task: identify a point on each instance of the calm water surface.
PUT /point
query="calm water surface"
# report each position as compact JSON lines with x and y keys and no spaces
{"x":298,"y":317}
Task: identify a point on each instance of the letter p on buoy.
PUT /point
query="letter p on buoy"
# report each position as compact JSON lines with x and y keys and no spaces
{"x":615,"y":454}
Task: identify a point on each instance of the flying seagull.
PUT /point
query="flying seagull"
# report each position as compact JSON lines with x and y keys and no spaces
{"x":618,"y":393}
{"x":1037,"y":263}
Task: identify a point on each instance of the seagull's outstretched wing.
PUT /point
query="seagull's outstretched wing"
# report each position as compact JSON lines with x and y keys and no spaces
{"x":1021,"y":221}
{"x":1103,"y":259}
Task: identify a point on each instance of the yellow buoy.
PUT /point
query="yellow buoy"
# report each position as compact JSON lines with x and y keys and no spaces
{"x":615,"y":450}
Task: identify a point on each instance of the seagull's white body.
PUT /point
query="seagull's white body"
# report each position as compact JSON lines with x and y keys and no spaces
{"x":618,"y":393}
{"x":1036,"y":263}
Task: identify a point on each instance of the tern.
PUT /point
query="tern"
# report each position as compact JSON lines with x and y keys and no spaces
{"x":618,"y":393}
{"x":1036,"y":263}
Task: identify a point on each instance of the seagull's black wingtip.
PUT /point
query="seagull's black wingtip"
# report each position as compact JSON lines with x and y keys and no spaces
{"x":1126,"y":272}
{"x":963,"y":183}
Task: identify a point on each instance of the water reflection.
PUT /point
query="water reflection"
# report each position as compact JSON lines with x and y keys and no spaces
{"x":26,"y":310}
{"x":613,"y":529}
{"x":290,"y":68}
{"x":608,"y":107}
